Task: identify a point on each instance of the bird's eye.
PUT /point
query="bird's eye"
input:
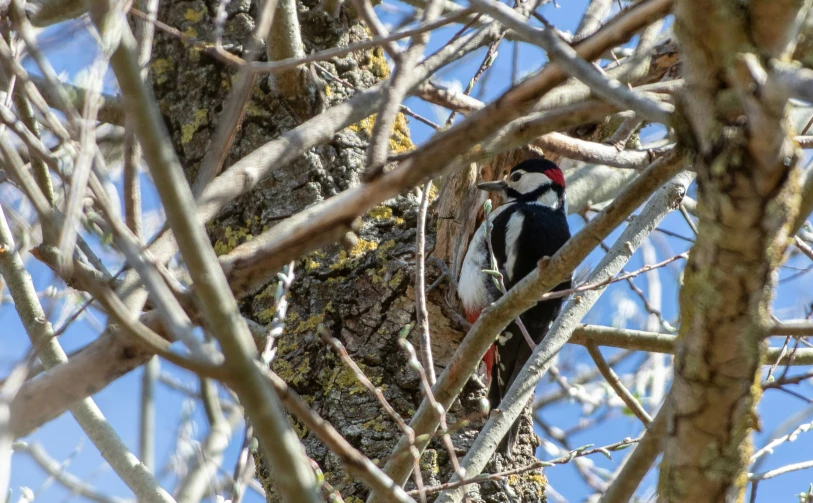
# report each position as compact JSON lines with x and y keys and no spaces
{"x":515,"y":177}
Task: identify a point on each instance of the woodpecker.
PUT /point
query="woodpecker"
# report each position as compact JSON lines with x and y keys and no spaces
{"x":532,"y":224}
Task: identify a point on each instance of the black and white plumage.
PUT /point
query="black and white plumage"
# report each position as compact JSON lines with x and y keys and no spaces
{"x":531,"y":225}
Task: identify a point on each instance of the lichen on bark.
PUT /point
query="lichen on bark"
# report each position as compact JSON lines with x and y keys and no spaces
{"x":363,"y":295}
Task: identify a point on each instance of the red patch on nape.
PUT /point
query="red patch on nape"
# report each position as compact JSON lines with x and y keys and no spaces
{"x":556,"y":176}
{"x":472,"y":316}
{"x":488,"y":359}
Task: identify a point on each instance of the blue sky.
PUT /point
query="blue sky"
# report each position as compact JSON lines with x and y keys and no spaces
{"x":69,"y":53}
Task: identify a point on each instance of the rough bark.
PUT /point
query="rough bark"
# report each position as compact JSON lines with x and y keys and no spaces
{"x":363,"y":293}
{"x":747,"y":196}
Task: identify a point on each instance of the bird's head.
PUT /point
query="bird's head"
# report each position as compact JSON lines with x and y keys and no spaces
{"x":535,"y":181}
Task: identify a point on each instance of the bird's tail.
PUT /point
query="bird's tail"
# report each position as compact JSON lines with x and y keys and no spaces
{"x":509,"y":441}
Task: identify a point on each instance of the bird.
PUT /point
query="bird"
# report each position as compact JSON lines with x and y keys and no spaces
{"x":532,"y":224}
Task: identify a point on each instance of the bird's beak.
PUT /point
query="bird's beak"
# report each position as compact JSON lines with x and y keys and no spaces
{"x":498,"y":186}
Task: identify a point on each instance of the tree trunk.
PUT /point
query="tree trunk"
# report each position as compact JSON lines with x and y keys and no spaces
{"x":363,"y":294}
{"x":747,"y":195}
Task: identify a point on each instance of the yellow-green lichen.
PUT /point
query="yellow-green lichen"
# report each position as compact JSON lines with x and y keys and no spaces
{"x":386,"y":245}
{"x":191,"y":32}
{"x":286,"y":345}
{"x":266,"y":315}
{"x":400,"y":141}
{"x":376,"y":424}
{"x":362,"y":247}
{"x":193,"y":15}
{"x":256,"y":110}
{"x":283,"y":369}
{"x":364,"y":125}
{"x":382,"y":212}
{"x":313,"y":261}
{"x":189,"y":129}
{"x":396,"y":279}
{"x":433,"y":192}
{"x":345,"y":380}
{"x":345,"y":259}
{"x":377,"y":275}
{"x":289,"y":373}
{"x":310,"y":324}
{"x":160,"y":67}
{"x":527,"y":477}
{"x":378,"y":63}
{"x":429,"y":461}
{"x":231,"y":237}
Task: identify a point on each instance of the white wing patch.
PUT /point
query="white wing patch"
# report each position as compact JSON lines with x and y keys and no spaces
{"x":512,"y":233}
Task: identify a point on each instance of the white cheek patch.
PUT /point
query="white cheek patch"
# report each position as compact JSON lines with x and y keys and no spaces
{"x":531,"y":181}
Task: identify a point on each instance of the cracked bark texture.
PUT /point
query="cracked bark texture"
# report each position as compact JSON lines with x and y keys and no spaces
{"x":363,"y":294}
{"x":747,"y":195}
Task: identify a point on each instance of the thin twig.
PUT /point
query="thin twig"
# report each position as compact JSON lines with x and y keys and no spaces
{"x":354,"y":461}
{"x":19,"y":282}
{"x":324,"y":333}
{"x":619,"y":388}
{"x":71,"y":482}
{"x":620,"y":277}
{"x":421,"y":313}
{"x":234,"y":107}
{"x":564,"y":55}
{"x":780,"y":471}
{"x":573,"y":454}
{"x":639,"y":461}
{"x":395,"y":93}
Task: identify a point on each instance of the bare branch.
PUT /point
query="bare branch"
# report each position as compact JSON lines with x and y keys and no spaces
{"x":619,"y":388}
{"x":193,"y":487}
{"x":234,"y":107}
{"x":217,"y":303}
{"x":598,"y":153}
{"x":639,"y":461}
{"x":804,"y":465}
{"x":421,"y":313}
{"x":146,"y":431}
{"x":87,"y":414}
{"x":395,"y":93}
{"x":570,"y":61}
{"x":592,"y":18}
{"x":55,"y":469}
{"x":285,"y":42}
